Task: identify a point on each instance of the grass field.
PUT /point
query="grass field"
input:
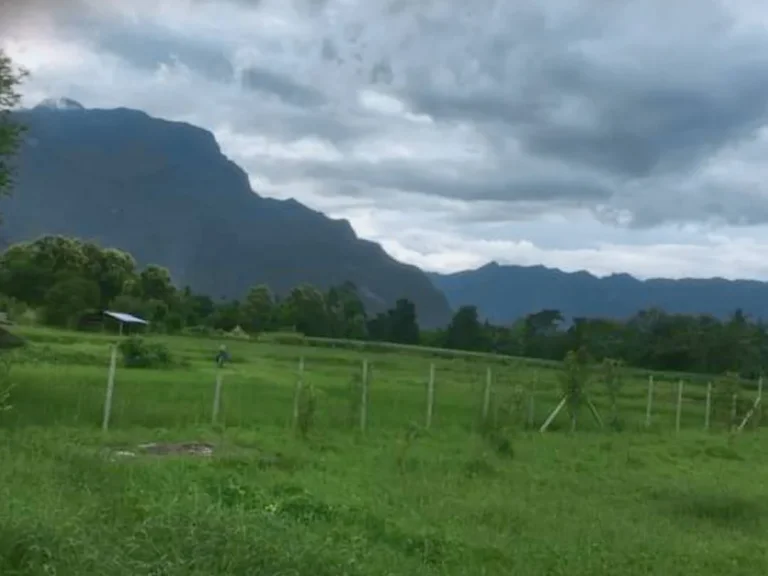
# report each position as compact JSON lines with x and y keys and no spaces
{"x":398,"y":499}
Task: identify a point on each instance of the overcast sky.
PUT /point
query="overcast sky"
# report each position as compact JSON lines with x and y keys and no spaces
{"x":611,"y":136}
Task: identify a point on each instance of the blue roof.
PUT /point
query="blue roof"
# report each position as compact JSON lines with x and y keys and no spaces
{"x":126,"y":318}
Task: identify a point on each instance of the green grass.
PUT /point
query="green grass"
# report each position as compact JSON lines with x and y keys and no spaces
{"x":396,"y":500}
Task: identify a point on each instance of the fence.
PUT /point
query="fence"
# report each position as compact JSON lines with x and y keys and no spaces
{"x":325,"y":390}
{"x":519,"y":405}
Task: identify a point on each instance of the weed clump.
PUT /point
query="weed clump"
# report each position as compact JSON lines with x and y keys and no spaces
{"x":5,"y":383}
{"x":307,"y":407}
{"x":137,"y":353}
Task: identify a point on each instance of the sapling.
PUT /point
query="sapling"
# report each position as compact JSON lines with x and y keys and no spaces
{"x":574,"y":381}
{"x":612,"y":375}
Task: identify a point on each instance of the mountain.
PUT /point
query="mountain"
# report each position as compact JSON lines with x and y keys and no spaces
{"x":506,"y":293}
{"x":165,"y":192}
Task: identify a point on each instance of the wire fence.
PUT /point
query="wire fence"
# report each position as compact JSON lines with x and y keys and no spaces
{"x":363,"y":392}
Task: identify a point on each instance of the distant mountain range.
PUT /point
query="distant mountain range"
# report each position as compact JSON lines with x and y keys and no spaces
{"x":165,"y":192}
{"x":506,"y":293}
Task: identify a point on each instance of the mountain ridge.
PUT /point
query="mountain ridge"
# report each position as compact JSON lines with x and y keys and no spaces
{"x":164,"y":191}
{"x":504,"y":293}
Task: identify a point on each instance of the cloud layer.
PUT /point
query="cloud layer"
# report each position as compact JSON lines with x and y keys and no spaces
{"x":602,"y":135}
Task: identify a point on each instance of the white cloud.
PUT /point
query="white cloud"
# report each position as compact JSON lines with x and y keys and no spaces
{"x":618,"y":138}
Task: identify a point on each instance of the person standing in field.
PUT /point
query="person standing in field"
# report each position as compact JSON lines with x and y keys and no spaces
{"x":222,"y":356}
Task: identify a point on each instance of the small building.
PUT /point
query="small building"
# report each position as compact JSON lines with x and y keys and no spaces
{"x":125,"y":319}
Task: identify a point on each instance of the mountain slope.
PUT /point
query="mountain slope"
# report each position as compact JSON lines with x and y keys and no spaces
{"x":164,"y":192}
{"x":505,"y":293}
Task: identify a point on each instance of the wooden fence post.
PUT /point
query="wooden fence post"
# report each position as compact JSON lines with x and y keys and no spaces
{"x":755,"y":406}
{"x":430,"y":394}
{"x":297,"y":394}
{"x":487,"y":394}
{"x":364,"y":398}
{"x":217,"y":397}
{"x":679,"y":406}
{"x":110,"y":388}
{"x":649,"y":405}
{"x":708,"y":406}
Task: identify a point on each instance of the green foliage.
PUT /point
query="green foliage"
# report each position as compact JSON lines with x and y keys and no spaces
{"x":726,"y":396}
{"x":13,"y":309}
{"x":6,"y":385}
{"x":612,"y":374}
{"x":574,"y":382}
{"x":68,"y":299}
{"x":465,"y":332}
{"x":259,"y":311}
{"x":354,"y":394}
{"x":10,"y":133}
{"x":307,"y":408}
{"x":137,"y":353}
{"x":65,"y":278}
{"x":397,"y":325}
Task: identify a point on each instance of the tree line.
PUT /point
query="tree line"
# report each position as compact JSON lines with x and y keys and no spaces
{"x":66,"y":280}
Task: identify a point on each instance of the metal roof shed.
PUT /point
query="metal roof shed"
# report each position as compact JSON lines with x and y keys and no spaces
{"x":124,"y":318}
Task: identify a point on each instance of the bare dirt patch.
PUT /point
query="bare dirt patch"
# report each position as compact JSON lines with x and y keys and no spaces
{"x":202,"y":449}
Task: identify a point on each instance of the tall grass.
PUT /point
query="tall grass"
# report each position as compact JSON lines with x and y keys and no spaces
{"x":463,"y":498}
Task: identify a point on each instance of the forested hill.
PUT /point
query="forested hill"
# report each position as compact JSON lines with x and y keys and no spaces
{"x":503,"y":294}
{"x":164,"y":192}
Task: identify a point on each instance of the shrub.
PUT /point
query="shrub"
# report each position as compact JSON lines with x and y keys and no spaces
{"x":5,"y":383}
{"x":8,"y":340}
{"x":13,"y":309}
{"x":726,"y":389}
{"x":137,"y":353}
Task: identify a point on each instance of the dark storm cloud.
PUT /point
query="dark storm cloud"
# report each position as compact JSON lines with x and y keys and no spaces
{"x":640,"y":123}
{"x":611,"y":105}
{"x":148,"y":47}
{"x":403,"y":175}
{"x":285,"y":88}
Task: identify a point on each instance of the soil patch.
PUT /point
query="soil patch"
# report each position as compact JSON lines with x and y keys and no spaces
{"x":166,"y":449}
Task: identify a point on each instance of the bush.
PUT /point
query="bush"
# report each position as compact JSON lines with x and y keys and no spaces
{"x":13,"y":309}
{"x":307,"y":408}
{"x":137,"y":353}
{"x":5,"y":383}
{"x":8,"y":340}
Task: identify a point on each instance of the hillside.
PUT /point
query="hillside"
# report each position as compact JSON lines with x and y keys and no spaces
{"x":505,"y":293}
{"x":165,"y":192}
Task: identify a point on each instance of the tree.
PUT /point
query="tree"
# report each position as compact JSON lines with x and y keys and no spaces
{"x":227,"y":316}
{"x":111,"y":269}
{"x":541,"y":335}
{"x":396,"y":325}
{"x":304,"y":309}
{"x":259,"y":309}
{"x":155,"y":284}
{"x":28,"y":270}
{"x":10,"y":133}
{"x":346,"y":312}
{"x":68,"y":299}
{"x":403,"y":323}
{"x":465,"y":332}
{"x":195,"y":309}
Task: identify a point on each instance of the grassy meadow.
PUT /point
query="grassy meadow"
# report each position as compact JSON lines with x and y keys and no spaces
{"x":460,"y":498}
